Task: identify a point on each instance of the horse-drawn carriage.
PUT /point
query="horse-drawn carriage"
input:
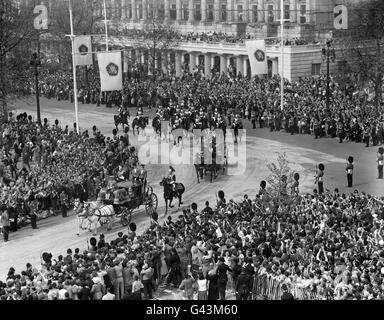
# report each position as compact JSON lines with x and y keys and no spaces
{"x":118,"y":200}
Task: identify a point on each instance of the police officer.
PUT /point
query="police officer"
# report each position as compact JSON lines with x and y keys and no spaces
{"x":319,"y":178}
{"x":349,"y":171}
{"x":64,"y":204}
{"x":380,"y":162}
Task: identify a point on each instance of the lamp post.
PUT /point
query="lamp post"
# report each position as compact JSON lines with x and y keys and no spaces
{"x":36,"y":63}
{"x":329,"y":55}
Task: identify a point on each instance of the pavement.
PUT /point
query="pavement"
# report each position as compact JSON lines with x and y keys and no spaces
{"x":56,"y":234}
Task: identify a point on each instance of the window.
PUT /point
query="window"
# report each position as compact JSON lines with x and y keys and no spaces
{"x":210,"y":12}
{"x":271,"y":18}
{"x":303,"y":13}
{"x":240,"y":13}
{"x":140,"y":11}
{"x":286,"y":11}
{"x":316,"y":69}
{"x":185,"y":13}
{"x":172,"y":12}
{"x":198,"y":12}
{"x":255,"y":13}
{"x":224,"y":13}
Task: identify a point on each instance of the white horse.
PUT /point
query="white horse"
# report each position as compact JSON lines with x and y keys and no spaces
{"x":84,"y":215}
{"x":103,"y":215}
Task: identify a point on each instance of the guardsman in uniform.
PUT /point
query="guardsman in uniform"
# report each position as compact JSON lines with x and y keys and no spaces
{"x":320,"y":178}
{"x":262,"y":191}
{"x":316,"y":127}
{"x":380,"y":162}
{"x":295,"y":185}
{"x":291,"y":125}
{"x":349,"y":171}
{"x":367,"y":135}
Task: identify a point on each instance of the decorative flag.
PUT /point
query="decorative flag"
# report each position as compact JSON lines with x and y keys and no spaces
{"x":111,"y":73}
{"x":257,"y":57}
{"x":83,"y":51}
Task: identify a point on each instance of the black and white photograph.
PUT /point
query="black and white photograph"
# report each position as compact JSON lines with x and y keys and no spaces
{"x":209,"y":152}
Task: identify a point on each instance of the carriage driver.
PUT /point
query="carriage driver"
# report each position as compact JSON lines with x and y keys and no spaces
{"x":172,"y":178}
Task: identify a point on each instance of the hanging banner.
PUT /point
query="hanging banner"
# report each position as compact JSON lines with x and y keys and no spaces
{"x":257,"y":57}
{"x":41,"y":20}
{"x":83,"y":51}
{"x":111,"y":73}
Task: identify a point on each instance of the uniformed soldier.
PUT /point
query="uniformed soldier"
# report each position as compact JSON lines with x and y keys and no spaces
{"x":367,"y":134}
{"x":172,"y":178}
{"x":380,"y":162}
{"x":340,"y":131}
{"x":295,"y":185}
{"x":349,"y":171}
{"x":316,"y":128}
{"x":319,"y":178}
{"x":291,"y":125}
{"x":142,"y":177}
{"x":262,"y":191}
{"x":64,"y":204}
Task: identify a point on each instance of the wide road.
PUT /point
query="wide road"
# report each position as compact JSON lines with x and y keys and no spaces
{"x":56,"y":234}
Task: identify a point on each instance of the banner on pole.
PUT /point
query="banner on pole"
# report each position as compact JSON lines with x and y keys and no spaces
{"x":111,"y":73}
{"x":257,"y":57}
{"x":83,"y":51}
{"x":41,"y":20}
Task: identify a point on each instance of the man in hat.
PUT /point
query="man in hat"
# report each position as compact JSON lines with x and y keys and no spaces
{"x":349,"y":171}
{"x":64,"y":204}
{"x":172,"y":178}
{"x":5,"y":224}
{"x":380,"y":162}
{"x":142,"y":177}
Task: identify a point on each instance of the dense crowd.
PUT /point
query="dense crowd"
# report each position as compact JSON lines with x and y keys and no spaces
{"x":330,"y":244}
{"x":42,"y":169}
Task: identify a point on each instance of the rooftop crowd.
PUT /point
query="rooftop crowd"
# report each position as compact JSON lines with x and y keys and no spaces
{"x":328,"y":244}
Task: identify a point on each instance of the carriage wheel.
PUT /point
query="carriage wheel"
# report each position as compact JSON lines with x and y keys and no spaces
{"x":151,"y":204}
{"x":126,"y":216}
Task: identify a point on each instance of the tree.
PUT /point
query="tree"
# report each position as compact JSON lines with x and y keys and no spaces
{"x":362,"y":44}
{"x":279,"y":178}
{"x":160,"y":37}
{"x":16,"y":30}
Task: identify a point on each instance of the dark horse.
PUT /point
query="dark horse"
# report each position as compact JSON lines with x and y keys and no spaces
{"x":122,"y":119}
{"x":139,"y":123}
{"x":170,"y":194}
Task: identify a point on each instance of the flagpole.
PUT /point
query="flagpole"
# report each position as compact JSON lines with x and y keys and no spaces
{"x":106,"y":27}
{"x":282,"y":54}
{"x":74,"y":68}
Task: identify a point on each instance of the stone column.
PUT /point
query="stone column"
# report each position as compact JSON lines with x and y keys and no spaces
{"x":191,"y":11}
{"x":207,"y":65}
{"x":223,"y":64}
{"x":166,"y":11}
{"x":260,"y":11}
{"x":164,"y":62}
{"x":239,"y":65}
{"x":178,"y":10}
{"x":246,"y":11}
{"x":126,"y":60}
{"x":229,"y":10}
{"x":134,"y":10}
{"x":245,"y":67}
{"x":216,"y":9}
{"x":308,"y":9}
{"x":235,"y":13}
{"x":123,"y":9}
{"x":292,"y":8}
{"x":298,"y":11}
{"x":203,"y":10}
{"x":192,"y":61}
{"x":113,"y":9}
{"x":178,"y":69}
{"x":145,"y":10}
{"x":142,"y":54}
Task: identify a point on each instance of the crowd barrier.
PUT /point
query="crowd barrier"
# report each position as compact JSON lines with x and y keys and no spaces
{"x":268,"y":287}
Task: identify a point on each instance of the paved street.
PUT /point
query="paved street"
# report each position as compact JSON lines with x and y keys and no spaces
{"x":304,"y":152}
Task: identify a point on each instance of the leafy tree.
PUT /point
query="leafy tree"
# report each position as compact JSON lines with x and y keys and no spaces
{"x":16,"y":33}
{"x":280,"y":177}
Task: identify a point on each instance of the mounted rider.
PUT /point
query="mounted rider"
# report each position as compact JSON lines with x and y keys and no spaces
{"x":171,"y":179}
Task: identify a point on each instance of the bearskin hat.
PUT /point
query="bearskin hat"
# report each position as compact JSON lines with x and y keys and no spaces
{"x":321,"y":167}
{"x":263,"y":184}
{"x":132,"y":227}
{"x":350,"y":159}
{"x":45,"y":120}
{"x":381,"y":150}
{"x":47,"y":256}
{"x":296,"y":176}
{"x":221,"y":194}
{"x":93,"y":241}
{"x":114,"y":132}
{"x":30,"y":118}
{"x":56,"y":122}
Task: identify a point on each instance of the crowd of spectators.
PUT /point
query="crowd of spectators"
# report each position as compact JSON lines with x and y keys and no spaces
{"x":43,"y":168}
{"x":329,"y":244}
